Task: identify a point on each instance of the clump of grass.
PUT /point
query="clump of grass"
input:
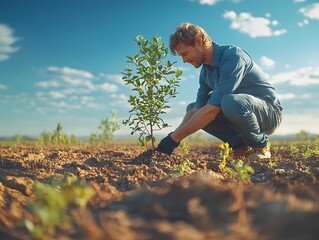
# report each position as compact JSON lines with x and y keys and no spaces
{"x":183,"y":167}
{"x":225,"y":151}
{"x":38,"y":149}
{"x":107,"y":129}
{"x":185,"y":148}
{"x":272,"y":164}
{"x":52,"y":205}
{"x":242,"y":171}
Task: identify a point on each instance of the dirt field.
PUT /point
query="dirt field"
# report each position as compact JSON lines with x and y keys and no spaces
{"x":141,"y":196}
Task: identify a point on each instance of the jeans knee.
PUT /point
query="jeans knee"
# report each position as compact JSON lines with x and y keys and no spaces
{"x":228,"y":104}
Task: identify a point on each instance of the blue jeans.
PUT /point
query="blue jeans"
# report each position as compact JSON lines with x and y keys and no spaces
{"x":244,"y":121}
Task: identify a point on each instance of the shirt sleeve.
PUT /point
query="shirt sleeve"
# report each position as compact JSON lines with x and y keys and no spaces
{"x":232,"y":71}
{"x":203,"y":92}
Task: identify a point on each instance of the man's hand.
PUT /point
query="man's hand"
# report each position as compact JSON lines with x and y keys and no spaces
{"x":167,"y":145}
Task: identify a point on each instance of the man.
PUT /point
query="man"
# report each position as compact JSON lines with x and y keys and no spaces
{"x":234,"y":103}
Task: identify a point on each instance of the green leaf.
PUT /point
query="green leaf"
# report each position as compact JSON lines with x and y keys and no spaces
{"x":141,"y":140}
{"x":178,"y":73}
{"x":148,"y":138}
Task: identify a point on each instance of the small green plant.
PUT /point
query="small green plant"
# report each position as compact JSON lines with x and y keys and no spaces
{"x":303,"y":135}
{"x":307,"y":169}
{"x":108,"y":127}
{"x":294,"y":150}
{"x":93,"y":138}
{"x":185,"y":148}
{"x":306,"y":151}
{"x":242,"y":173}
{"x":272,"y":164}
{"x":17,"y":139}
{"x":58,"y":137}
{"x":38,"y":149}
{"x":315,"y":151}
{"x":52,"y":205}
{"x":184,"y":167}
{"x":154,"y":83}
{"x":73,"y":140}
{"x":46,"y":137}
{"x":275,"y":149}
{"x":224,"y":153}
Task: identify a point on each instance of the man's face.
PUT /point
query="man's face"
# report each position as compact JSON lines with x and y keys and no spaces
{"x":190,"y":54}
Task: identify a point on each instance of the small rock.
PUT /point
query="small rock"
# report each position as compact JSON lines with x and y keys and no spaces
{"x":280,"y":171}
{"x":260,"y":177}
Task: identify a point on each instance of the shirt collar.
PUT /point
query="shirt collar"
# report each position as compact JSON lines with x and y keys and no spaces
{"x":216,"y":55}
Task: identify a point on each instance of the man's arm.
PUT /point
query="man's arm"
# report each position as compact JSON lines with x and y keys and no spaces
{"x":199,"y":119}
{"x":187,"y":117}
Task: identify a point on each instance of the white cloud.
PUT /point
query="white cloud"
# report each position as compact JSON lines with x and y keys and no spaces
{"x":120,"y":100}
{"x":305,"y":96}
{"x":108,"y":87}
{"x":274,"y":22}
{"x":67,"y":77}
{"x":299,"y":1}
{"x":122,"y":97}
{"x":253,"y":26}
{"x":86,"y":99}
{"x":71,"y":72}
{"x":267,"y":62}
{"x":311,"y":11}
{"x":75,"y":81}
{"x":268,"y":15}
{"x":59,"y":104}
{"x":72,"y":81}
{"x":56,"y":94}
{"x":63,"y":105}
{"x":114,"y":77}
{"x":41,"y":110}
{"x":2,"y":86}
{"x":208,"y":2}
{"x":286,"y":96}
{"x":41,"y":95}
{"x":94,"y":106}
{"x":75,"y":88}
{"x":303,"y":23}
{"x":7,"y":39}
{"x":48,"y":84}
{"x":182,"y":103}
{"x":300,"y":77}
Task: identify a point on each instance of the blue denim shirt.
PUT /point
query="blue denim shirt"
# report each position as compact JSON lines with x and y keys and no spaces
{"x":232,"y":71}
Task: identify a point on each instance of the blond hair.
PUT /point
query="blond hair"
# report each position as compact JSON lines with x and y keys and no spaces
{"x":187,"y":33}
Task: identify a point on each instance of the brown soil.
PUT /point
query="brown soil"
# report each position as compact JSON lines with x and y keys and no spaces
{"x":139,"y":195}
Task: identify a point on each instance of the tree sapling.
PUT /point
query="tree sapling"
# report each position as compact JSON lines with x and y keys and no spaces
{"x":154,"y":83}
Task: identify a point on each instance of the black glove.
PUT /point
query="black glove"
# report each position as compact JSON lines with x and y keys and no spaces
{"x":167,"y":145}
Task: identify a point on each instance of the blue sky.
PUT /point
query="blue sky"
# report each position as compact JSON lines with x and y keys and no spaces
{"x":61,"y":60}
